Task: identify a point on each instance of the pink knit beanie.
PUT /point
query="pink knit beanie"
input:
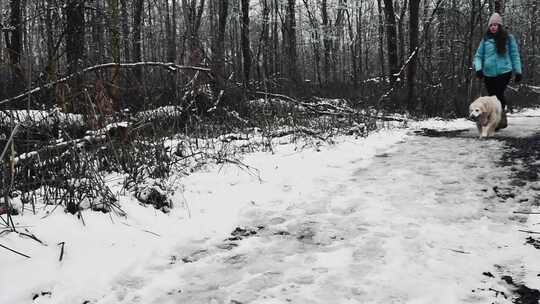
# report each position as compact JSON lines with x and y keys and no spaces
{"x":495,"y":18}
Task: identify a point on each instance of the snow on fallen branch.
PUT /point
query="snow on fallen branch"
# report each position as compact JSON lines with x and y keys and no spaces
{"x":168,"y":65}
{"x":325,"y":108}
{"x":39,"y":118}
{"x":93,"y":137}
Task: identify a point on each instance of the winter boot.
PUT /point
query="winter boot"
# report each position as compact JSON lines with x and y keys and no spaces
{"x":503,"y":123}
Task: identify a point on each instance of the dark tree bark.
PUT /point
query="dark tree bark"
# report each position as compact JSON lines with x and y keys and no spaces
{"x":125,"y":30}
{"x":75,"y":50}
{"x":289,"y":40}
{"x":14,"y":44}
{"x":265,"y":44}
{"x":114,"y":28}
{"x":138,"y":6}
{"x":219,"y":11}
{"x":353,"y":46}
{"x":326,"y":40}
{"x":499,"y":6}
{"x":193,"y":11}
{"x":246,"y":52}
{"x":315,"y":41}
{"x":97,"y":46}
{"x":401,"y":33}
{"x":391,"y":39}
{"x":381,"y":36}
{"x":413,"y":52}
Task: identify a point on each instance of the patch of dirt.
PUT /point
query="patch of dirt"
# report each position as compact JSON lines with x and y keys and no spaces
{"x":523,"y":154}
{"x":437,"y":133}
{"x":520,"y":294}
{"x":533,"y":241}
{"x":525,"y":294}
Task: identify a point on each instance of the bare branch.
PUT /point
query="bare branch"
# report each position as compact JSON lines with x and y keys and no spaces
{"x":168,"y":65}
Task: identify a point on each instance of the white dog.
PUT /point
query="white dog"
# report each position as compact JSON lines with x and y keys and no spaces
{"x":486,"y":111}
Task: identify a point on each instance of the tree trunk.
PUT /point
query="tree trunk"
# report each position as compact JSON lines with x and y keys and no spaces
{"x":414,"y":7}
{"x":137,"y":39}
{"x":97,"y":46}
{"x":353,"y":46}
{"x":193,"y":11}
{"x":114,"y":28}
{"x":290,"y":42}
{"x":499,"y":6}
{"x":265,"y":39}
{"x":533,"y":72}
{"x":219,"y":11}
{"x":381,"y":36}
{"x":401,"y":34}
{"x":125,"y":30}
{"x":276,"y":66}
{"x":391,"y":39}
{"x":326,"y":40}
{"x":246,"y":52}
{"x":315,"y":42}
{"x":75,"y":51}
{"x":14,"y":45}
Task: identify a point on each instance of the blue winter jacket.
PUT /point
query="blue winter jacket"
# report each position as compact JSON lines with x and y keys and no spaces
{"x":492,"y":64}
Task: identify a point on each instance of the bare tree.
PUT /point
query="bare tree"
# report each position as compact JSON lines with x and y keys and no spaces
{"x":246,"y":49}
{"x":414,"y":8}
{"x":75,"y":24}
{"x":193,"y":11}
{"x":289,"y":40}
{"x":391,"y":38}
{"x":219,"y":12}
{"x":265,"y":45}
{"x":125,"y":30}
{"x":13,"y":38}
{"x":138,"y":6}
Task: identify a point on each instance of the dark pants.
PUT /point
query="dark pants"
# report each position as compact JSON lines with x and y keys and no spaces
{"x":497,"y":85}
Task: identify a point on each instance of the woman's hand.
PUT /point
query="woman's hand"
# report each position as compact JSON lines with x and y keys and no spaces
{"x":479,"y":74}
{"x":517,"y":78}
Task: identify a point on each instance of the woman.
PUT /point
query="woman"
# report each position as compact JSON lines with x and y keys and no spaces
{"x":496,"y":58}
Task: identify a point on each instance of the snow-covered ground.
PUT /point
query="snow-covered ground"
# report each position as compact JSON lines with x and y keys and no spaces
{"x":396,"y":217}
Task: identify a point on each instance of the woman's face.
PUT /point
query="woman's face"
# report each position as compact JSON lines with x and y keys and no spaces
{"x":494,"y":28}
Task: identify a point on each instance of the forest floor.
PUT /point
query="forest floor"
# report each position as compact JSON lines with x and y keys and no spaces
{"x":424,"y":214}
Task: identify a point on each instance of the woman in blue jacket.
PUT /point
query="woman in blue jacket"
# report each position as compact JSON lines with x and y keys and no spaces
{"x":496,"y":58}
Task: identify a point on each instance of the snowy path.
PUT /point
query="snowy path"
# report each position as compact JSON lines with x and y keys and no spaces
{"x":427,"y":221}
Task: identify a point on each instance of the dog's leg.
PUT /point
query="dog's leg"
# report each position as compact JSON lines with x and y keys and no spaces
{"x":479,"y":127}
{"x":484,"y":132}
{"x":491,"y":129}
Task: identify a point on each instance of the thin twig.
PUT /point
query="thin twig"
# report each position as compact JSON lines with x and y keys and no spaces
{"x":526,"y":212}
{"x":24,"y":255}
{"x":529,"y":231}
{"x":61,"y":251}
{"x":459,"y":251}
{"x":9,"y":140}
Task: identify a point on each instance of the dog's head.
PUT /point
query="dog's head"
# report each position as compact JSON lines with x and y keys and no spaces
{"x":478,"y":111}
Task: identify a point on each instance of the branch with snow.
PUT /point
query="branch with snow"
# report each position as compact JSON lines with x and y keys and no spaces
{"x":168,"y":65}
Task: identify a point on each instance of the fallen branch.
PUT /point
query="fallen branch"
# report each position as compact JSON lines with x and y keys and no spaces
{"x":325,"y":108}
{"x":459,"y":251}
{"x":9,"y":141}
{"x":525,"y":212}
{"x":93,"y":138}
{"x":15,"y":251}
{"x":61,"y":250}
{"x":169,"y":65}
{"x":529,"y":231}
